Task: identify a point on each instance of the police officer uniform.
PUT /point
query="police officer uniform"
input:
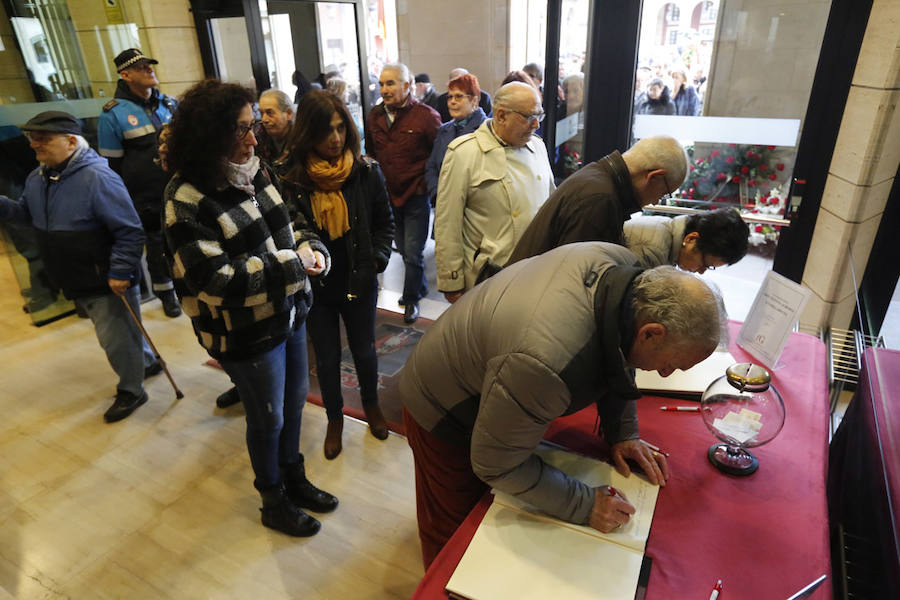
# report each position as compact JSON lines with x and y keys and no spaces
{"x":127,"y":133}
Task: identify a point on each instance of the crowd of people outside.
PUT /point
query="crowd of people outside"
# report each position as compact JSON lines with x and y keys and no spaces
{"x":272,"y":224}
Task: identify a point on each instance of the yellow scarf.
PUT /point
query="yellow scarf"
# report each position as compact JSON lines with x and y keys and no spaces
{"x":328,"y":203}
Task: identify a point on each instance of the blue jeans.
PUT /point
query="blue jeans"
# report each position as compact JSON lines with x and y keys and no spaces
{"x":273,"y":388}
{"x":126,"y":349}
{"x":411,"y":222}
{"x":324,"y":330}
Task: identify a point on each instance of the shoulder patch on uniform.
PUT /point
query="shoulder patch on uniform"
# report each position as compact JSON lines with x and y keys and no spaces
{"x":109,"y":105}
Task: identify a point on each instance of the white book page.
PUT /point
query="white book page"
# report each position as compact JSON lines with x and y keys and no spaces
{"x":515,"y":554}
{"x":694,"y":381}
{"x":639,"y":492}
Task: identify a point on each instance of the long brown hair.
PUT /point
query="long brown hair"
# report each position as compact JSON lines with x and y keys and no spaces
{"x":311,"y":126}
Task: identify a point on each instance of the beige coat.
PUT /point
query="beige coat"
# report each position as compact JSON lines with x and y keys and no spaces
{"x":481,"y":210}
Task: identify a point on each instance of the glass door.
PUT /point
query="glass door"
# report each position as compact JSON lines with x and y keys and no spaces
{"x":731,"y":81}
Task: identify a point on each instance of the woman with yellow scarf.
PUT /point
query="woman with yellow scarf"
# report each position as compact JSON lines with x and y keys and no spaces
{"x":344,"y":196}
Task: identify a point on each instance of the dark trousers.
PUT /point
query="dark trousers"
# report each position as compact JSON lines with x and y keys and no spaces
{"x":446,"y":487}
{"x":411,"y":222}
{"x":324,"y":330}
{"x":156,"y":258}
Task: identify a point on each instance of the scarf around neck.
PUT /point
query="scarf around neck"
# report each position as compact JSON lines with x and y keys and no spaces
{"x":241,"y":175}
{"x":328,"y":203}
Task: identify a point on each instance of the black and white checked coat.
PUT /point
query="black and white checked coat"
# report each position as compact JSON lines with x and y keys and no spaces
{"x":235,"y":265}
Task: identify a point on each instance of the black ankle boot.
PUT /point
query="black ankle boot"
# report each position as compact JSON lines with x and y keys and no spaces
{"x":279,"y":513}
{"x":305,"y":494}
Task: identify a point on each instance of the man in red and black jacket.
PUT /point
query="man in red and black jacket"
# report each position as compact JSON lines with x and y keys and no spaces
{"x":399,"y":134}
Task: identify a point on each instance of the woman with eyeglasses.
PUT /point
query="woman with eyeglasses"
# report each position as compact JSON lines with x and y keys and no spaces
{"x":344,"y":197}
{"x":463,"y":95}
{"x":699,"y":242}
{"x":242,"y":270}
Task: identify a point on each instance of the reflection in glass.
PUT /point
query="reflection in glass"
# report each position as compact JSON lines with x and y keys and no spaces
{"x":570,"y":105}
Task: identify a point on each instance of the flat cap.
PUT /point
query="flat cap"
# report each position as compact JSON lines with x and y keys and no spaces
{"x":55,"y":121}
{"x":130,"y":57}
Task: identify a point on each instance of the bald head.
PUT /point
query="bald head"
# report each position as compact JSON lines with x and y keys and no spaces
{"x":517,"y":113}
{"x":456,"y":73}
{"x":658,"y":166}
{"x":678,"y":318}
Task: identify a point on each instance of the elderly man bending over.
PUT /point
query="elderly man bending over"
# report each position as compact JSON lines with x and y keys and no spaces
{"x":544,"y":338}
{"x":593,"y":204}
{"x":491,"y":185}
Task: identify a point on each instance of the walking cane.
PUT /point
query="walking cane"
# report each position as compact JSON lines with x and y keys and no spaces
{"x":178,"y":394}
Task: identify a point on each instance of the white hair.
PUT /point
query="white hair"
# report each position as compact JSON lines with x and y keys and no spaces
{"x":400,"y":68}
{"x":659,"y":152}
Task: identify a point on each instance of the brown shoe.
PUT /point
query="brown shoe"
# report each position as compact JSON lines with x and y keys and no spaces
{"x":377,"y":424}
{"x":333,"y":439}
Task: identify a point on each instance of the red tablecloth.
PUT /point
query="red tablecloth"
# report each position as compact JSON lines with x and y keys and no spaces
{"x":765,"y":535}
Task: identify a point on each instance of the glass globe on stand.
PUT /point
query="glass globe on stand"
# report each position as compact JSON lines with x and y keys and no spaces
{"x":743,"y":409}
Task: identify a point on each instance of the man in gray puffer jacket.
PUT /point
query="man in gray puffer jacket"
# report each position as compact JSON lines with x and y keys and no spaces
{"x":545,"y":337}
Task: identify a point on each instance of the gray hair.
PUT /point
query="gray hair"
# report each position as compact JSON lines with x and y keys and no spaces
{"x":457,"y":72}
{"x":506,"y":96}
{"x":399,"y":68}
{"x":659,"y":152}
{"x":534,"y":68}
{"x":692,"y":312}
{"x":282,"y":99}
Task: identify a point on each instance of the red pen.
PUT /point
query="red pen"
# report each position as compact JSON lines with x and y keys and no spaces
{"x":680,"y":408}
{"x":716,"y":590}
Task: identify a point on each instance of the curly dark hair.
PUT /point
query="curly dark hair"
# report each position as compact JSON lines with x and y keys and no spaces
{"x":203,"y":131}
{"x":722,"y":233}
{"x":311,"y":125}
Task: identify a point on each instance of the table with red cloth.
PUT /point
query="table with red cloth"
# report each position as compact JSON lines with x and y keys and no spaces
{"x":765,"y":535}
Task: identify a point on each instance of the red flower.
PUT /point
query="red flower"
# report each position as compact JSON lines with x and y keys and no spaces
{"x":745,"y":170}
{"x":694,"y":183}
{"x":771,"y":147}
{"x":714,"y":153}
{"x":780,"y":166}
{"x":699,"y":161}
{"x":750,"y":154}
{"x":692,"y":167}
{"x":691,"y":191}
{"x":736,"y":179}
{"x":732,"y":145}
{"x":755,"y":210}
{"x":781,"y":211}
{"x":721,"y":177}
{"x":758,"y":229}
{"x":729,"y":160}
{"x":714,"y":206}
{"x":772,"y":176}
{"x":763,"y":167}
{"x":751,"y":182}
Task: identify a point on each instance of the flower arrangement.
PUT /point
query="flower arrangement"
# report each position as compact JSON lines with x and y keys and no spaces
{"x":730,"y":174}
{"x":570,"y":160}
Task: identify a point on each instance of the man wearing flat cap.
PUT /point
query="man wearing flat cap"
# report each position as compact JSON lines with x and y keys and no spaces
{"x":425,"y":91}
{"x":127,"y":132}
{"x":90,"y":239}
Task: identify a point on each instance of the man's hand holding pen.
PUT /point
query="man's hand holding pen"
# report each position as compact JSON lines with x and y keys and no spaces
{"x":611,"y":509}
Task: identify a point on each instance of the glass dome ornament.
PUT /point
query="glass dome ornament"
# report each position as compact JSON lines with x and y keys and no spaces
{"x":743,"y":409}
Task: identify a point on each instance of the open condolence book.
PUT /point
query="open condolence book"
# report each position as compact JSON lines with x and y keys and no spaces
{"x":689,"y":384}
{"x":519,"y":552}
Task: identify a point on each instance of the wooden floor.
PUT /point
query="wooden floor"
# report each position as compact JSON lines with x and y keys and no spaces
{"x":161,"y":505}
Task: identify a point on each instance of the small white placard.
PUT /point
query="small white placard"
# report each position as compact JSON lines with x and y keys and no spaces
{"x":775,"y":309}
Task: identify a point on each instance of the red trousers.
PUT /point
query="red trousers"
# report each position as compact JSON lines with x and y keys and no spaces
{"x":446,"y":488}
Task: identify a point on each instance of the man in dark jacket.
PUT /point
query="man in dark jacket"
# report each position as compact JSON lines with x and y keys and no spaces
{"x":544,"y":338}
{"x":90,"y":238}
{"x":127,"y":132}
{"x":594,"y":203}
{"x":400,"y":133}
